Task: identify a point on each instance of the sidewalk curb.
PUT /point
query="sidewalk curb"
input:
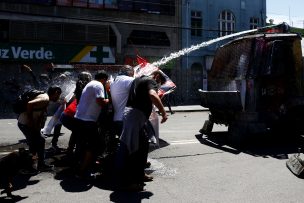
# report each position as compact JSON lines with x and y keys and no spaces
{"x":195,"y":108}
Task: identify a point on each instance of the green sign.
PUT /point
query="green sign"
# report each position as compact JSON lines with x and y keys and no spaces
{"x":57,"y":53}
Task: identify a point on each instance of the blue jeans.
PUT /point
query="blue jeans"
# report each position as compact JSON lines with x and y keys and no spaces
{"x":67,"y":121}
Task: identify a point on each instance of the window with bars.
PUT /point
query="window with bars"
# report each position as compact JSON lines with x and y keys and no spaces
{"x":254,"y":23}
{"x":49,"y":32}
{"x":226,"y":23}
{"x":59,"y":32}
{"x":196,"y":23}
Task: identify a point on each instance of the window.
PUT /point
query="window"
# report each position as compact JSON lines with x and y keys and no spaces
{"x":196,"y":23}
{"x":59,"y":32}
{"x":254,"y":23}
{"x":226,"y":23}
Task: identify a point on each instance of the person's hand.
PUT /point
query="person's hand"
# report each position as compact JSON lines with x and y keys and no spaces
{"x":164,"y":118}
{"x":27,"y":68}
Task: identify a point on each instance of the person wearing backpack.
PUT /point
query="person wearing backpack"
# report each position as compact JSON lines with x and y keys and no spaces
{"x":32,"y":120}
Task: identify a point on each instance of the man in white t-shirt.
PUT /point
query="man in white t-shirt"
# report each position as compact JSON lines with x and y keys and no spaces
{"x":119,"y":94}
{"x":88,"y":109}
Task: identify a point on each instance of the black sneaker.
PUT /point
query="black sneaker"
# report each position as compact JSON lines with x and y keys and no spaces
{"x":45,"y":167}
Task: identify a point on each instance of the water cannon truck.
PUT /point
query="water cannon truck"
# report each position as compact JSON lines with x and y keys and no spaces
{"x":256,"y":85}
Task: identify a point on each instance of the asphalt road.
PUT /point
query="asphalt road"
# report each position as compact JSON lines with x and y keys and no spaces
{"x":188,"y":167}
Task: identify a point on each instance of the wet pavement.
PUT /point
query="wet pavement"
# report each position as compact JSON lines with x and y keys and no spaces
{"x":187,"y":167}
{"x":11,"y":137}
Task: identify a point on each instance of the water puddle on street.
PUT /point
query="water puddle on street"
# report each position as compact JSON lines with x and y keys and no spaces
{"x":159,"y":169}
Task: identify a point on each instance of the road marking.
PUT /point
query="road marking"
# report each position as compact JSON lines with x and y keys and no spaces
{"x":180,"y":142}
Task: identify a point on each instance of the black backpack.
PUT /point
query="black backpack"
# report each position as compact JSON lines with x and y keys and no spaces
{"x":19,"y":105}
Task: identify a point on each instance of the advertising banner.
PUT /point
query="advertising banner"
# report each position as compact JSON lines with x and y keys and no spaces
{"x":56,"y":53}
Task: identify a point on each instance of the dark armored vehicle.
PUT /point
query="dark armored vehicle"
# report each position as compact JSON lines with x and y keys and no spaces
{"x":256,"y":84}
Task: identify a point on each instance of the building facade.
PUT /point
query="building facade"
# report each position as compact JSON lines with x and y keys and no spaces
{"x":113,"y":32}
{"x":204,"y":20}
{"x":100,"y":32}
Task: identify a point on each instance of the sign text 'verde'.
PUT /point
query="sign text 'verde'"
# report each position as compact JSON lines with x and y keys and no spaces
{"x":20,"y":53}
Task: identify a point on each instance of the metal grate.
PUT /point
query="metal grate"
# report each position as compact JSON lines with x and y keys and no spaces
{"x":49,"y":32}
{"x":98,"y":34}
{"x":74,"y":32}
{"x":230,"y":66}
{"x":22,"y":30}
{"x":231,"y":62}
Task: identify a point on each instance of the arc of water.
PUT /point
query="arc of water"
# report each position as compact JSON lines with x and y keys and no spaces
{"x":174,"y":55}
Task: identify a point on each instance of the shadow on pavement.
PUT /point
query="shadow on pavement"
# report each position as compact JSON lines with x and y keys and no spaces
{"x":126,"y":197}
{"x":218,"y":140}
{"x":162,"y":143}
{"x":19,"y":182}
{"x":66,"y":173}
{"x":103,"y":178}
{"x":72,"y":184}
{"x":261,"y":145}
{"x":15,"y":198}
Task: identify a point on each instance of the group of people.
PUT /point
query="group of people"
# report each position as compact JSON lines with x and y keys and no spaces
{"x":132,"y":100}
